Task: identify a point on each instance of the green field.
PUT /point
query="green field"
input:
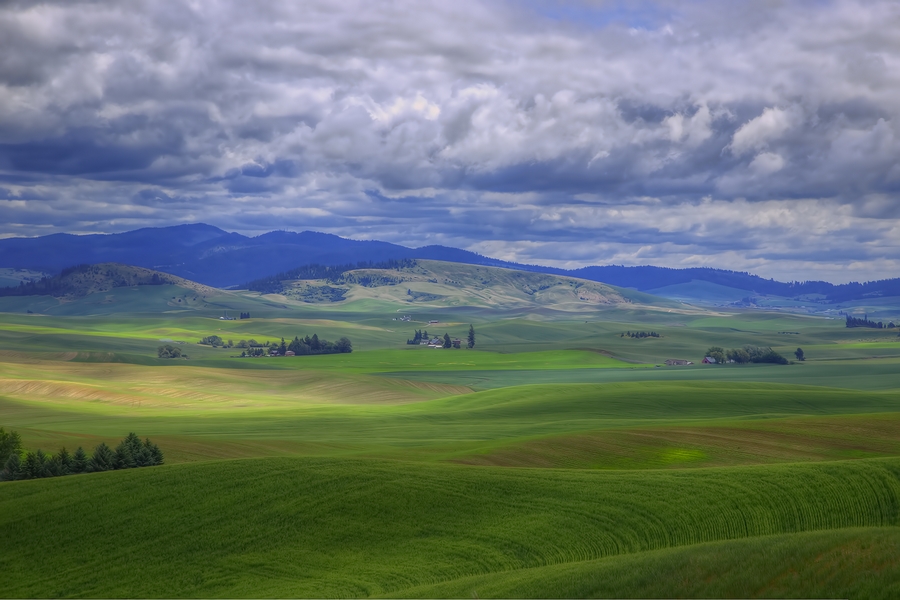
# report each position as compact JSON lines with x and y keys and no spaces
{"x":556,"y":459}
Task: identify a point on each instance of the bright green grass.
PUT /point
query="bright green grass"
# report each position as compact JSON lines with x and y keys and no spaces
{"x":289,"y":527}
{"x":870,"y":374}
{"x":703,"y":444}
{"x":438,"y":429}
{"x":847,"y":563}
{"x":450,"y":360}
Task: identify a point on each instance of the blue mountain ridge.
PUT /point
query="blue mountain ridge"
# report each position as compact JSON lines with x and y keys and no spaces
{"x":215,"y":257}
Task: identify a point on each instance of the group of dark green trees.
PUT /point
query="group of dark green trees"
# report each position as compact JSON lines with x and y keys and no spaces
{"x":299,"y":346}
{"x":421,"y":336}
{"x":748,"y":354}
{"x":315,"y":345}
{"x":169,"y":351}
{"x":130,"y":453}
{"x":865,"y":322}
{"x":640,"y":334}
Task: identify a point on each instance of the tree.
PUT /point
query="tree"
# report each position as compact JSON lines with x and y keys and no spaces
{"x":104,"y":459}
{"x":125,"y":453}
{"x":765,"y":355}
{"x":282,"y":348}
{"x":799,"y":354}
{"x":35,"y":465}
{"x":156,"y":454}
{"x":716,"y":353}
{"x":314,"y":343}
{"x":471,"y":340}
{"x":10,"y":443}
{"x":12,"y":470}
{"x":168,"y":351}
{"x":447,"y":342}
{"x":79,"y":461}
{"x":343,"y":345}
{"x":65,"y":461}
{"x":738,"y":355}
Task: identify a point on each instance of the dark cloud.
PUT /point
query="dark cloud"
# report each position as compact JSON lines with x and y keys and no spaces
{"x":703,"y":133}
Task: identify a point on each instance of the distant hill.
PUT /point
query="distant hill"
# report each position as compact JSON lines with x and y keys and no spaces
{"x":214,"y":257}
{"x":82,"y":280}
{"x":440,"y":283}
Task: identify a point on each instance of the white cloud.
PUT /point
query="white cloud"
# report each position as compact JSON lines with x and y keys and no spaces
{"x":766,"y":163}
{"x":435,"y":118}
{"x":771,"y":125}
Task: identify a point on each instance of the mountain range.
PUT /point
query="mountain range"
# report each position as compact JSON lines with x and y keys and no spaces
{"x":217,"y":258}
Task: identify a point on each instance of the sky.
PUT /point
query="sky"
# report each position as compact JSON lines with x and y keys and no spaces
{"x":754,"y":136}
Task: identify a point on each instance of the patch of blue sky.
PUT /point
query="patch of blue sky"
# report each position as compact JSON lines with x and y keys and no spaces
{"x":635,"y":14}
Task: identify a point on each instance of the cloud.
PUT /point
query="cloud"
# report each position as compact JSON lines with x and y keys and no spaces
{"x":529,"y":128}
{"x":771,"y":125}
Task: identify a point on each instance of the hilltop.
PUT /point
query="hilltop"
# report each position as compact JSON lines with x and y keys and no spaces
{"x":82,"y":280}
{"x":439,"y":283}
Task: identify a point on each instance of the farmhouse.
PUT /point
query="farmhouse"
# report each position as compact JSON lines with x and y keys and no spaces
{"x":289,"y":353}
{"x":709,"y":360}
{"x":678,"y":362}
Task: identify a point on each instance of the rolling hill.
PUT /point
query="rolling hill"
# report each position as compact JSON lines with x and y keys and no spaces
{"x":82,"y":280}
{"x":114,"y":288}
{"x":446,"y":284}
{"x":214,"y":257}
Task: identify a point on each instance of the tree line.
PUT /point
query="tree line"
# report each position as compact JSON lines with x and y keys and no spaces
{"x":865,"y":322}
{"x":130,"y":453}
{"x":640,"y":334}
{"x":299,"y":346}
{"x":747,"y":354}
{"x":58,"y":285}
{"x":273,"y":284}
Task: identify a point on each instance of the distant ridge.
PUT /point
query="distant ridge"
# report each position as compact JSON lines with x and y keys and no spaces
{"x":82,"y":280}
{"x":214,"y":257}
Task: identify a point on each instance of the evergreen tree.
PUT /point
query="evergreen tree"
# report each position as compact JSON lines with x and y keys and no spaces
{"x":156,"y":454}
{"x":65,"y":461}
{"x":79,"y":461}
{"x":54,"y":467}
{"x":282,"y":348}
{"x":36,"y":465}
{"x":142,"y":456}
{"x":447,"y":342}
{"x":10,"y":443}
{"x":12,"y":470}
{"x":314,"y":343}
{"x":470,"y":343}
{"x":124,"y":458}
{"x":104,"y":459}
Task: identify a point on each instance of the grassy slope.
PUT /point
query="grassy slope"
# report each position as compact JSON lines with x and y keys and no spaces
{"x":703,"y":444}
{"x":445,"y":284}
{"x":304,"y":415}
{"x":287,"y":527}
{"x":848,"y":563}
{"x":319,"y":527}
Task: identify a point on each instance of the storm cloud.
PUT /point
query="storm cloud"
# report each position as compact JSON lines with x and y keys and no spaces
{"x":750,"y":136}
